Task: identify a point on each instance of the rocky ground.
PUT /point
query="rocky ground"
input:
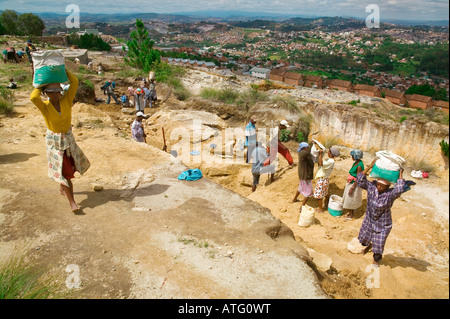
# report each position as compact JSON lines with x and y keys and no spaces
{"x":147,"y":235}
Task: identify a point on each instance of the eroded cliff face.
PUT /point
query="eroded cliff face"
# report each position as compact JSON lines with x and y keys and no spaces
{"x":363,"y":129}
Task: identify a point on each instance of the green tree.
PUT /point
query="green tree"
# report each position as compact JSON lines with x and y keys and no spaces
{"x":89,"y":41}
{"x":30,"y":24}
{"x":140,"y":52}
{"x":8,"y":19}
{"x":2,"y":29}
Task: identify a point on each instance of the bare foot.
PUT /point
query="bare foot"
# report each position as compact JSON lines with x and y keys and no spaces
{"x":318,"y":210}
{"x":349,"y":217}
{"x":295,"y":200}
{"x":366,"y":249}
{"x":74,"y":207}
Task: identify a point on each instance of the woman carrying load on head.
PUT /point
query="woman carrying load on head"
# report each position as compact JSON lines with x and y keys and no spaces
{"x":63,"y":154}
{"x":377,"y":223}
{"x":352,"y":198}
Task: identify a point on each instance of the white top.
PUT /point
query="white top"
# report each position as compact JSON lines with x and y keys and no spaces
{"x":326,"y":169}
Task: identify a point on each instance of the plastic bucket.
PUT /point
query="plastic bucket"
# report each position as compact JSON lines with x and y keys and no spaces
{"x":335,"y":206}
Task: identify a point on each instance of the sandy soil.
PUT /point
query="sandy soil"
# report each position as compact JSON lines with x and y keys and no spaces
{"x":415,"y":264}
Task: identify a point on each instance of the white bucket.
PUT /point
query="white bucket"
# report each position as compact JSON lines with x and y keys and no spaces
{"x":151,"y":75}
{"x":335,"y":205}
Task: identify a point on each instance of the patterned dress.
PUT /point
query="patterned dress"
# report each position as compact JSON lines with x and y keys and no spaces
{"x":377,"y":222}
{"x":137,"y":131}
{"x":58,"y":144}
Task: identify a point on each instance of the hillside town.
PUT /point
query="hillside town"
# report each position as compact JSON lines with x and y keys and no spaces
{"x":282,"y":55}
{"x":237,"y":160}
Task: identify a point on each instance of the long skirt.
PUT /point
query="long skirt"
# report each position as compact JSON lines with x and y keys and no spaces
{"x":368,"y":235}
{"x":354,"y":201}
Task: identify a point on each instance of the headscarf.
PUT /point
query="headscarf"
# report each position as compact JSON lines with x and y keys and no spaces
{"x":302,"y":145}
{"x":357,"y":154}
{"x":334,"y":151}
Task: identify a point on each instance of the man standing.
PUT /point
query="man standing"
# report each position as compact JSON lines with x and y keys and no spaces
{"x":250,"y":137}
{"x":259,"y":155}
{"x":137,"y":128}
{"x":109,"y":90}
{"x":30,"y":48}
{"x":277,"y":147}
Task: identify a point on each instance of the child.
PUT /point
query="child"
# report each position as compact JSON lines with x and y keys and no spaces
{"x":124,"y":100}
{"x":12,"y":84}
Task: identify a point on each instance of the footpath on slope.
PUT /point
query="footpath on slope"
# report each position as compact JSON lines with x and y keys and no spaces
{"x":145,"y":234}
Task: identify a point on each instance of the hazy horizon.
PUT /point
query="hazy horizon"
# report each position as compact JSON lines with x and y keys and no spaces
{"x":431,"y":10}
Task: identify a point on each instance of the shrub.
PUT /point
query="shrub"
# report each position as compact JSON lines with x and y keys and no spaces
{"x":300,"y":137}
{"x":403,"y":118}
{"x":304,"y":125}
{"x":20,"y":280}
{"x":287,"y":103}
{"x":284,"y":136}
{"x":227,"y":95}
{"x":250,"y":98}
{"x":89,"y":41}
{"x":6,"y":101}
{"x":6,"y":107}
{"x":444,"y":147}
{"x":421,"y":164}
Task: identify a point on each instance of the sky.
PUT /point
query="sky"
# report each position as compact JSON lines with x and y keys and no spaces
{"x":388,"y":9}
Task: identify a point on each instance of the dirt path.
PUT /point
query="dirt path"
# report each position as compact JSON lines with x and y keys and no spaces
{"x":415,"y":263}
{"x":145,"y":234}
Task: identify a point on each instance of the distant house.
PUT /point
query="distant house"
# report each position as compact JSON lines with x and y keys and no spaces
{"x":313,"y":81}
{"x":89,"y":31}
{"x":192,"y":63}
{"x":368,"y":90}
{"x":261,"y":73}
{"x":441,"y":105}
{"x":419,"y":101}
{"x":293,"y":78}
{"x":340,"y":85}
{"x":277,"y":75}
{"x":395,"y":97}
